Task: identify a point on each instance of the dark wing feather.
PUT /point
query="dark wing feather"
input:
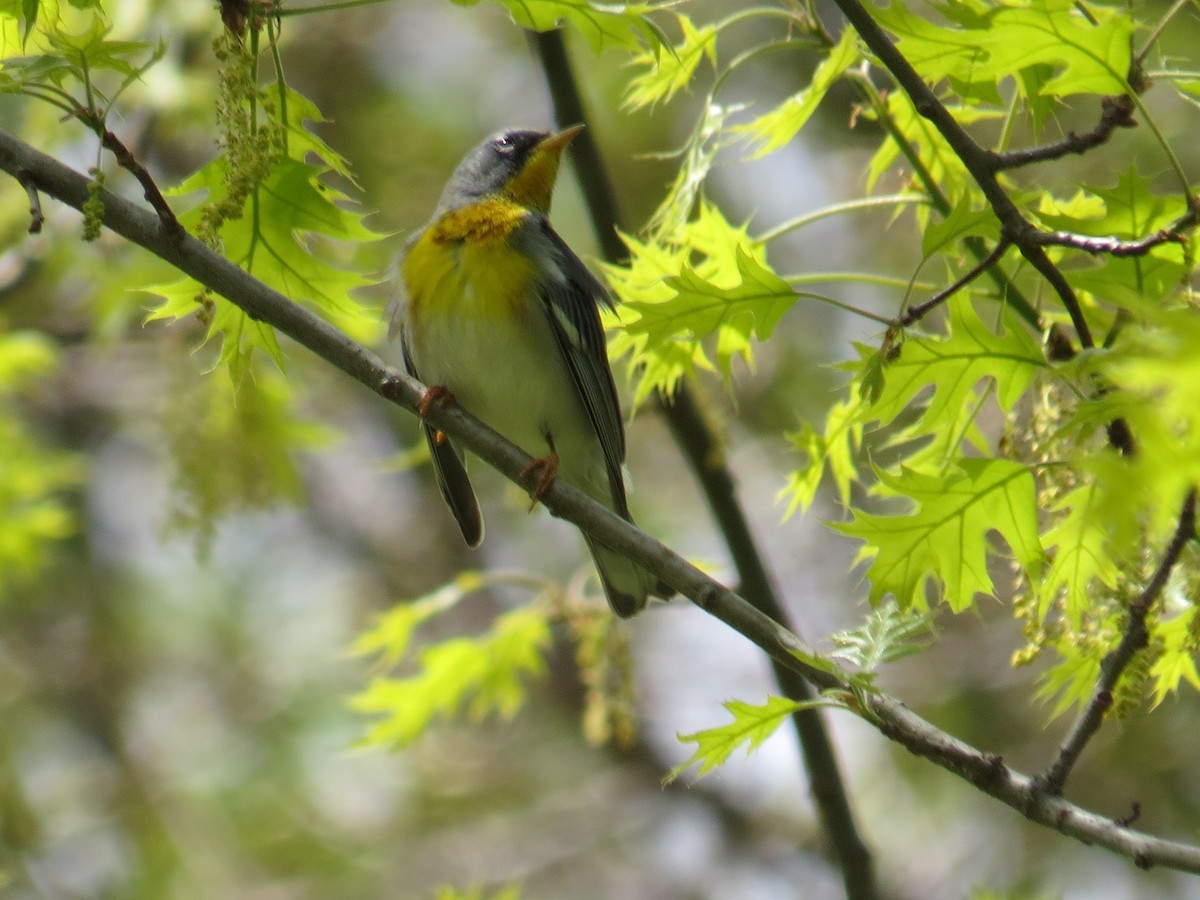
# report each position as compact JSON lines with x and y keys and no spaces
{"x":451,"y":471}
{"x":572,"y":308}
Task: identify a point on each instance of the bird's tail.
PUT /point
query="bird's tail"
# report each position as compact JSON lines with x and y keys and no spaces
{"x":626,"y":585}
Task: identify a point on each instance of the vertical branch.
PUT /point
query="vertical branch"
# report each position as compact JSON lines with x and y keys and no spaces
{"x":697,"y":441}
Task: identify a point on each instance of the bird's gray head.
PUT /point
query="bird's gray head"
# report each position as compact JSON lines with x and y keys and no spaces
{"x":519,"y":165}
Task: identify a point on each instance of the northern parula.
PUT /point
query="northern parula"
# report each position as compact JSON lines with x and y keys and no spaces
{"x":499,"y":314}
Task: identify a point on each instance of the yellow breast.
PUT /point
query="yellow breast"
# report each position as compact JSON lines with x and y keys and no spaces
{"x":466,"y":264}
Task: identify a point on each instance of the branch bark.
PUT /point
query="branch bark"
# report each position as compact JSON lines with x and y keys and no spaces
{"x":889,"y":715}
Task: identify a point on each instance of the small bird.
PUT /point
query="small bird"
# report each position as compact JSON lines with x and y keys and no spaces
{"x":501,"y":316}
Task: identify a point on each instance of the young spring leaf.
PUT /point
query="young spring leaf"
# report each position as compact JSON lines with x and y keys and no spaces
{"x":944,"y":536}
{"x":832,"y":450}
{"x":954,"y":366}
{"x":751,"y":726}
{"x":889,"y":633}
{"x":776,"y":128}
{"x":664,"y":74}
{"x":603,"y":25}
{"x":471,"y":676}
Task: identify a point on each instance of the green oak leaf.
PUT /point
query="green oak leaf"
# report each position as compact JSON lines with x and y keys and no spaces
{"x":943,"y":536}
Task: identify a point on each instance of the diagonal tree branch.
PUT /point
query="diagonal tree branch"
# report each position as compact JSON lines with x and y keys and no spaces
{"x":916,"y":313}
{"x":1134,"y":639}
{"x":889,"y":715}
{"x":698,"y":443}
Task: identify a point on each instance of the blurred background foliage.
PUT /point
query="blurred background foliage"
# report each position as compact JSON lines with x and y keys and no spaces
{"x":173,"y":686}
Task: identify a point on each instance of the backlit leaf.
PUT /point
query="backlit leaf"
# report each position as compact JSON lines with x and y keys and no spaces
{"x":832,"y":450}
{"x":662,"y":75}
{"x":1080,"y":555}
{"x":773,"y":130}
{"x":751,"y":726}
{"x":943,"y":537}
{"x":625,"y":25}
{"x":475,"y":677}
{"x":954,"y":366}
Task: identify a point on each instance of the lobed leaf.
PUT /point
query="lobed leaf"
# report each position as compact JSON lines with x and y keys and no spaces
{"x":727,"y":292}
{"x":944,"y":535}
{"x":663,"y":75}
{"x":751,"y":726}
{"x":953,"y":367}
{"x":1081,"y":558}
{"x":1087,"y":56}
{"x":833,"y":450}
{"x":1177,"y":660}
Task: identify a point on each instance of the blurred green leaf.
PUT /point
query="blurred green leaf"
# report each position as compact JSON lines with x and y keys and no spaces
{"x":965,"y":220}
{"x":1177,"y":662}
{"x":461,"y":676}
{"x":392,"y":634}
{"x":1081,"y":557}
{"x":34,"y":474}
{"x":626,"y":25}
{"x":832,"y":450}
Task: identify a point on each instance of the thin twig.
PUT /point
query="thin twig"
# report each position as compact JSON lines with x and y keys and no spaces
{"x":36,"y":219}
{"x":978,"y":161}
{"x":1140,"y":57}
{"x":1117,"y":112}
{"x":916,"y":313}
{"x":1134,"y":639}
{"x":697,"y":440}
{"x":126,"y":160}
{"x":1112,"y":246}
{"x":1011,"y":293}
{"x":889,"y":715}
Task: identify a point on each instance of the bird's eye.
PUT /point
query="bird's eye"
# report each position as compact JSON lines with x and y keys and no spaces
{"x":504,"y":144}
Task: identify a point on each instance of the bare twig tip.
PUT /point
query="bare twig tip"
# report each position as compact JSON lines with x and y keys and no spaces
{"x":1135,"y":813}
{"x":36,"y":218}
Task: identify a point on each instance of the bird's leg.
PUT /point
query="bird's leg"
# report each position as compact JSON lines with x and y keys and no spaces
{"x":434,"y":395}
{"x":547,"y":466}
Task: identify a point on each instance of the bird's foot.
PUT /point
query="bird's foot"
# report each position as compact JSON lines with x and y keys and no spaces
{"x":439,"y":393}
{"x":547,"y":467}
